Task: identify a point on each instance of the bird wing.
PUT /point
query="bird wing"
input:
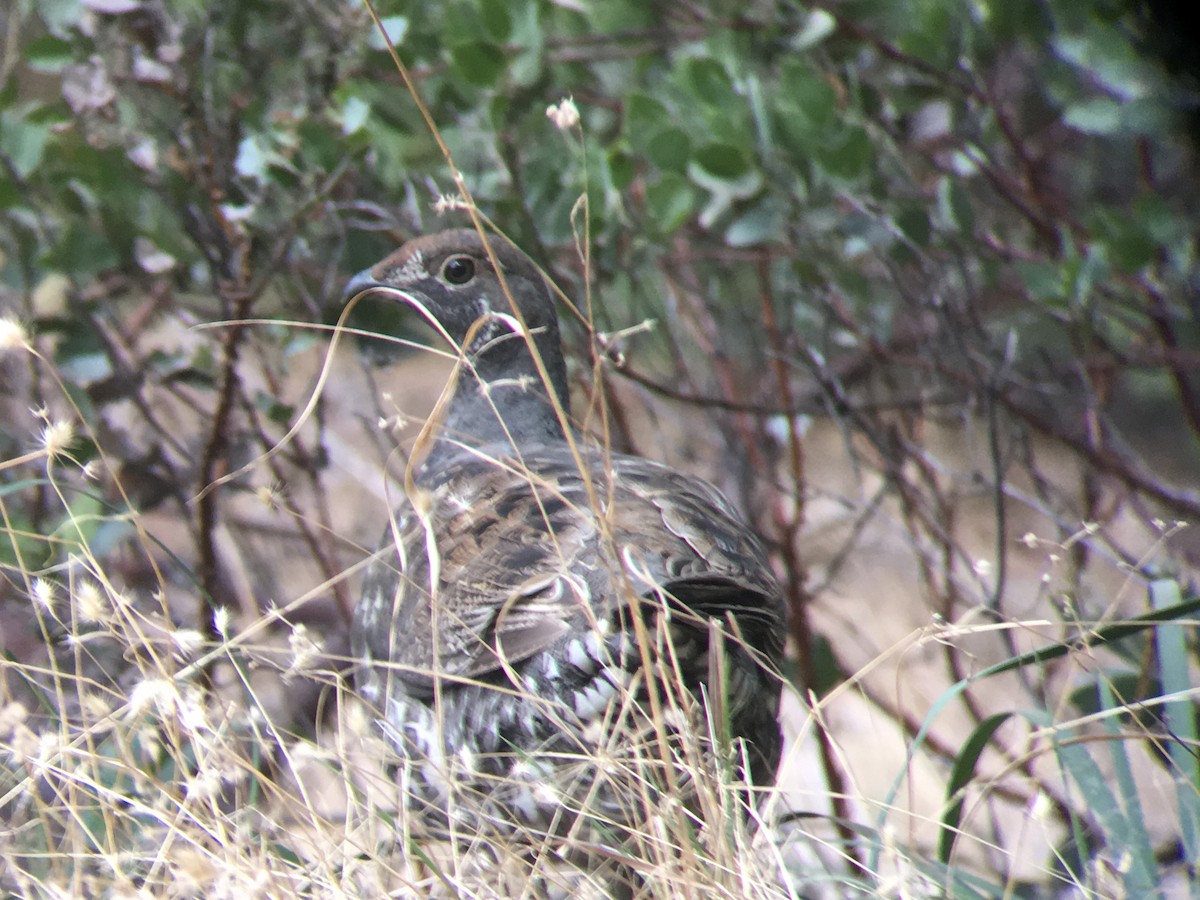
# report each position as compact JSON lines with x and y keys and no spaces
{"x":700,"y":554}
{"x":498,"y":582}
{"x":523,"y":552}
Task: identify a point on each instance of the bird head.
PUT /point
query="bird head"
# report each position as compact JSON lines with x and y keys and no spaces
{"x":478,"y":301}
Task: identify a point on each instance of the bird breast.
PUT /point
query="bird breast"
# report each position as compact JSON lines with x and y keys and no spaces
{"x":529,"y":550}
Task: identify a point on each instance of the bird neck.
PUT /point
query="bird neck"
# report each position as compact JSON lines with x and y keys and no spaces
{"x":502,"y":403}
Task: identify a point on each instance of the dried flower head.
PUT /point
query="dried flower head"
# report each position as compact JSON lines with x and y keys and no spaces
{"x":1041,"y":807}
{"x":450,"y":202}
{"x":13,"y":335}
{"x":270,"y":496}
{"x":47,"y":746}
{"x":43,"y":594}
{"x":191,"y":714}
{"x":158,"y":693}
{"x":306,"y":652}
{"x":22,"y":743}
{"x":204,"y":785}
{"x":564,"y":115}
{"x":57,"y":437}
{"x":96,"y":706}
{"x":12,"y":715}
{"x":89,"y":602}
{"x":187,"y":641}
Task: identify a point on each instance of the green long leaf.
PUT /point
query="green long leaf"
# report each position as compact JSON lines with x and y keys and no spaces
{"x":1093,"y":638}
{"x":1180,"y":715}
{"x":961,"y":774}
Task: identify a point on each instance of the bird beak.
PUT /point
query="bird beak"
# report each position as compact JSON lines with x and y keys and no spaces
{"x":362,"y":282}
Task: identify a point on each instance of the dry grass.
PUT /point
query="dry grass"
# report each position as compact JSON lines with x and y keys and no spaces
{"x":140,"y":755}
{"x":147,"y":752}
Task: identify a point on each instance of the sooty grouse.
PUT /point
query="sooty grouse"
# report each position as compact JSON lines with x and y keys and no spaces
{"x":549,"y":628}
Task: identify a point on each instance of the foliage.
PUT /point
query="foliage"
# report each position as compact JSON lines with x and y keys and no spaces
{"x":954,"y":244}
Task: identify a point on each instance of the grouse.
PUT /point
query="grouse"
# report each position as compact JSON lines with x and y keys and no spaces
{"x":548,"y":627}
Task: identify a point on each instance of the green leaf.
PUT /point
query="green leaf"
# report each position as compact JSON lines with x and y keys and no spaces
{"x":321,"y":146}
{"x":80,"y":520}
{"x":954,"y":205}
{"x":669,"y":149}
{"x":60,"y":16}
{"x":1092,"y":268}
{"x":733,"y":189}
{"x":1097,"y":115}
{"x":817,"y":26}
{"x":961,"y":775}
{"x":393,"y":148}
{"x":496,"y":19}
{"x":84,"y":251}
{"x":1107,"y":56}
{"x":1043,"y":280}
{"x":1102,"y":806}
{"x":252,"y":157}
{"x":1126,"y":242}
{"x":622,"y":168}
{"x":1028,"y":20}
{"x":48,"y":54}
{"x":710,"y":83}
{"x":1138,"y":841}
{"x":670,"y":202}
{"x":528,"y":36}
{"x":1163,"y":224}
{"x":10,"y":195}
{"x":762,"y":223}
{"x":850,"y":156}
{"x":1171,"y":642}
{"x":1129,"y":684}
{"x":22,"y":143}
{"x":478,"y":62}
{"x":277,"y":411}
{"x":644,"y":118}
{"x":807,"y":91}
{"x":827,"y":673}
{"x":396,"y":27}
{"x":722,"y":161}
{"x":1091,"y":638}
{"x":913,"y":222}
{"x":355,"y":112}
{"x":929,"y":34}
{"x":87,"y":368}
{"x":723,"y":192}
{"x":20,"y":543}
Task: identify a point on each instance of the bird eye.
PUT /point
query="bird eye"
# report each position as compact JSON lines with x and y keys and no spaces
{"x":458,"y":269}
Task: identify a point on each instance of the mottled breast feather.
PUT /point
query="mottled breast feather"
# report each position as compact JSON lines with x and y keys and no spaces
{"x":527,"y":551}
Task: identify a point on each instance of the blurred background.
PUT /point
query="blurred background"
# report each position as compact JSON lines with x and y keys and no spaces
{"x":914,"y":282}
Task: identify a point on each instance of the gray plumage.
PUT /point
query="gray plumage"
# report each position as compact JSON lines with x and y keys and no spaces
{"x":497,"y":626}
